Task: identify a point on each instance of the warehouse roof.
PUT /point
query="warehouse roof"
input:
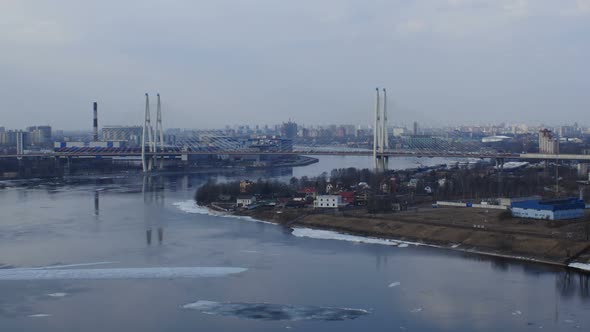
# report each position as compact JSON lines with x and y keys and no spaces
{"x":551,"y":205}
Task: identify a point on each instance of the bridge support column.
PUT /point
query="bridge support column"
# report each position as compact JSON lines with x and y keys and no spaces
{"x":67,"y":166}
{"x":380,"y":134}
{"x":500,"y":168}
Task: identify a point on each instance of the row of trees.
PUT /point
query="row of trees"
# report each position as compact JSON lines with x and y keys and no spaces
{"x":213,"y":191}
{"x":481,"y":182}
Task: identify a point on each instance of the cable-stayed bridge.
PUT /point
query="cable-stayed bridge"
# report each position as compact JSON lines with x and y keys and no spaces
{"x":153,"y":149}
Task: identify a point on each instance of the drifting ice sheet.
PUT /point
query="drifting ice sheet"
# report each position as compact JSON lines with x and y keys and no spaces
{"x":274,"y":312}
{"x":330,"y":235}
{"x":191,"y":206}
{"x":580,"y":266}
{"x":394,"y":284}
{"x":127,"y":273}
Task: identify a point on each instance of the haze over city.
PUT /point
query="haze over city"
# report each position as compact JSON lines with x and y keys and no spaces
{"x":230,"y":62}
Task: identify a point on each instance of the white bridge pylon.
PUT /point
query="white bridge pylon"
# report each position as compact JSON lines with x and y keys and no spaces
{"x":380,"y":133}
{"x":155,"y":139}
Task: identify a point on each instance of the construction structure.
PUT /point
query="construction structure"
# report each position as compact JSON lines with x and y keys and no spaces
{"x":380,"y":133}
{"x":155,"y":138}
{"x":548,"y":143}
{"x":95,"y":122}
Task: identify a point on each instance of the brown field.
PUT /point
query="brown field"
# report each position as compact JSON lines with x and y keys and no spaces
{"x":481,"y":230}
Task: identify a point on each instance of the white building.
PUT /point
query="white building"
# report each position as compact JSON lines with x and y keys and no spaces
{"x":243,"y":201}
{"x":548,"y":143}
{"x":327,"y":201}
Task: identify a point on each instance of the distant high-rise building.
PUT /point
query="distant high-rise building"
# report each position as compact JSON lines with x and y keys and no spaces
{"x":20,"y":142}
{"x":548,"y":144}
{"x":40,"y":135}
{"x":129,"y":134}
{"x":568,"y":131}
{"x":289,"y":130}
{"x":415,"y":131}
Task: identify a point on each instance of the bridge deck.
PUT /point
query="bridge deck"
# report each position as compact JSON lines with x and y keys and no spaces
{"x":398,"y":153}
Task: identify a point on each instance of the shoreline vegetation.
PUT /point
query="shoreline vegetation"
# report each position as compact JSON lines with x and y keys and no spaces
{"x":403,"y":215}
{"x":43,"y":169}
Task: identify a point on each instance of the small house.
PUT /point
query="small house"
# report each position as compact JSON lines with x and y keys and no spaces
{"x":327,"y":201}
{"x":347,"y":197}
{"x":243,"y":201}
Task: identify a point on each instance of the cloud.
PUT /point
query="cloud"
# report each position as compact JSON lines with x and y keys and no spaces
{"x":264,"y":61}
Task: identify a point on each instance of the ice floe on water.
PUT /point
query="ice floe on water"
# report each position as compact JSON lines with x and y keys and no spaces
{"x":39,"y":315}
{"x":57,"y":294}
{"x":394,"y":284}
{"x":250,"y":251}
{"x":517,"y":313}
{"x":331,"y":235}
{"x":191,"y":206}
{"x":123,"y":273}
{"x":70,"y":265}
{"x":581,"y":266}
{"x":417,"y":310}
{"x":275,"y":312}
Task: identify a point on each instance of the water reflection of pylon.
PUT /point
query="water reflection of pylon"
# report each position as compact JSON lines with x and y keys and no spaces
{"x":148,"y":236}
{"x":153,"y":190}
{"x":96,"y":203}
{"x":153,"y":197}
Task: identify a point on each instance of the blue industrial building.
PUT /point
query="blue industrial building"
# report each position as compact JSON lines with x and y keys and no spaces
{"x":555,"y":209}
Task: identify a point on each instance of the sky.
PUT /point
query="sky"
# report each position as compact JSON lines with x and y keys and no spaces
{"x":223,"y":62}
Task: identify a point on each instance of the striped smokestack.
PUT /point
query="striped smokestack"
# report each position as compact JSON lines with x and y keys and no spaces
{"x":95,"y":122}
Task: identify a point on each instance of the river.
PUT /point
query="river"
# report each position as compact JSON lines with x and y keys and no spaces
{"x":115,"y":279}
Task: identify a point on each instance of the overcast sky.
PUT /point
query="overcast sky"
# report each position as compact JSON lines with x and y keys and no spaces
{"x":224,"y":62}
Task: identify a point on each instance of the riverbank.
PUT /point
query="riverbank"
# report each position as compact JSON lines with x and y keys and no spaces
{"x":477,"y":231}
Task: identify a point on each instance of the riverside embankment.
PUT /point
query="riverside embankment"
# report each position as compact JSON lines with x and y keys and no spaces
{"x":480,"y":231}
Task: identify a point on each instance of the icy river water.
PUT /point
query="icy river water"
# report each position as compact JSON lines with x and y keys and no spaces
{"x":136,"y":254}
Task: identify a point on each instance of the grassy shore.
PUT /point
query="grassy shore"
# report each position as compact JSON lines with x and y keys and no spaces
{"x":466,"y":229}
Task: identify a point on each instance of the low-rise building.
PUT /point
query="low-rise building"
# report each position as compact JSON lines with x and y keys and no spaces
{"x":309,"y":192}
{"x":555,"y":209}
{"x":347,"y":197}
{"x":327,"y":201}
{"x":505,"y":201}
{"x":243,"y":201}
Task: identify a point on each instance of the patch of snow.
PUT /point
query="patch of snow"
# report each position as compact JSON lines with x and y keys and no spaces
{"x":57,"y":294}
{"x":250,"y":251}
{"x":125,"y":273}
{"x":39,"y":315}
{"x":403,"y":245}
{"x":331,"y":235}
{"x":70,"y":265}
{"x":416,"y":310}
{"x":581,"y":266}
{"x":517,"y":313}
{"x":191,"y":206}
{"x":394,"y":284}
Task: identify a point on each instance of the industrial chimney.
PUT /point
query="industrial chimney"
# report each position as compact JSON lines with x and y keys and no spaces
{"x":95,"y":123}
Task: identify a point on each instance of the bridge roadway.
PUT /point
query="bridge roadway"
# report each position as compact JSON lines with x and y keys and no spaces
{"x":390,"y":153}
